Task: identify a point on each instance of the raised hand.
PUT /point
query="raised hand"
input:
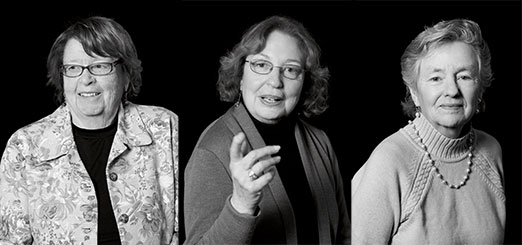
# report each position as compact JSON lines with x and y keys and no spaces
{"x":250,"y":173}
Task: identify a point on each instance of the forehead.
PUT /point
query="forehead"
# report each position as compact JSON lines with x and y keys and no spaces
{"x":73,"y":51}
{"x":454,"y":55}
{"x":280,"y":45}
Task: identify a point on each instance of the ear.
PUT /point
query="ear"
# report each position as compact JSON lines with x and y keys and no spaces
{"x":414,"y":97}
{"x":127,"y":83}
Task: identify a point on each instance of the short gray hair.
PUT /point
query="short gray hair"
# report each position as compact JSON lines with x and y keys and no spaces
{"x":456,"y":30}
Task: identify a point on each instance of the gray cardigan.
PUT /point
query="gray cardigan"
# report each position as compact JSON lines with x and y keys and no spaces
{"x":209,"y":216}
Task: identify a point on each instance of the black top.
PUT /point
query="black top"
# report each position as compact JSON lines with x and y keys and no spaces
{"x":293,"y":176}
{"x":94,"y":147}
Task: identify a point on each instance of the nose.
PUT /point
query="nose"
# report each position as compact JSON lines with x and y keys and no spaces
{"x":86,"y":78}
{"x":451,"y":88}
{"x":275,"y":78}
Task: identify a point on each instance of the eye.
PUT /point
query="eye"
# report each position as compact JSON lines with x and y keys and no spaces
{"x":262,"y":64}
{"x":100,"y":66}
{"x":72,"y":68}
{"x":293,"y":69}
{"x":465,"y":77}
{"x":435,"y":79}
{"x":290,"y":69}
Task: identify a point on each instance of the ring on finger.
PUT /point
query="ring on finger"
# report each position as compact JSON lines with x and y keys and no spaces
{"x":252,"y":175}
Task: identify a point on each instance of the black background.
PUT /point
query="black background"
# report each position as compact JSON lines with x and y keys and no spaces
{"x":180,"y":45}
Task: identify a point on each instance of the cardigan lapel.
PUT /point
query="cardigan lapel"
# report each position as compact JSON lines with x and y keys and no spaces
{"x":240,"y":121}
{"x":312,"y":156}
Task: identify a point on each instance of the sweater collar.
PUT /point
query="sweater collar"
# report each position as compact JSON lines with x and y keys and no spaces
{"x":438,"y":145}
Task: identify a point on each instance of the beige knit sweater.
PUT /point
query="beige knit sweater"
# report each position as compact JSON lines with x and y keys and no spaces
{"x":397,"y":197}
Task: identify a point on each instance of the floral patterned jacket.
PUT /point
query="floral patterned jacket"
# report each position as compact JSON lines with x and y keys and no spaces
{"x":47,"y":197}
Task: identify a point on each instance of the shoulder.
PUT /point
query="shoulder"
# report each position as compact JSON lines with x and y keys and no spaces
{"x":211,"y":152}
{"x":489,"y":149}
{"x":51,"y":123}
{"x":155,"y":118}
{"x":33,"y":139}
{"x":392,"y":159}
{"x":150,"y":111}
{"x":487,"y":144}
{"x":216,"y":137}
{"x":394,"y":152}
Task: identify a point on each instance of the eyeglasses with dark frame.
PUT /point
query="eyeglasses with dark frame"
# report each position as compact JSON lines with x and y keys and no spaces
{"x":96,"y":69}
{"x":264,"y":67}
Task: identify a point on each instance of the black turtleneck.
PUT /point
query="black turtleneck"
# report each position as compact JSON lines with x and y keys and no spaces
{"x":94,"y":147}
{"x":293,"y":176}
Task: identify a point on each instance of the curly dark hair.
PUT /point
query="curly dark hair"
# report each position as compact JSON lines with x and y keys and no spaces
{"x":100,"y":36}
{"x":313,"y":101}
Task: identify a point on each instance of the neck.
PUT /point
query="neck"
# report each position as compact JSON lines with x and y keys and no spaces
{"x":93,"y":122}
{"x":440,"y":145}
{"x":449,"y":132}
{"x":453,"y":133}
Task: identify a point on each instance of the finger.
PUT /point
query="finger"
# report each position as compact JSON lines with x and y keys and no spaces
{"x":262,"y":166}
{"x":244,"y":147}
{"x":271,"y":169}
{"x":261,"y":153}
{"x":235,"y":147}
{"x":263,"y":180}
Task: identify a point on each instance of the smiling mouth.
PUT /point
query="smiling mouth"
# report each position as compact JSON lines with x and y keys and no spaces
{"x":91,"y":94}
{"x":452,"y":107}
{"x":271,"y":99}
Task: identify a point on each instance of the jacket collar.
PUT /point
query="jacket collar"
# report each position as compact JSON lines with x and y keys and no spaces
{"x":58,"y":139}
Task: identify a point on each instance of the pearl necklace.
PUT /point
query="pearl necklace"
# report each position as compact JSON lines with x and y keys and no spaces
{"x":432,"y":162}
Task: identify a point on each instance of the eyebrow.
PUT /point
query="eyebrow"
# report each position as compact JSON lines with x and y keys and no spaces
{"x":463,"y":68}
{"x":286,"y":61}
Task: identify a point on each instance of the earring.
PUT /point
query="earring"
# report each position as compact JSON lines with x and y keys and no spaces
{"x":481,"y":106}
{"x":417,"y":111}
{"x":238,"y":99}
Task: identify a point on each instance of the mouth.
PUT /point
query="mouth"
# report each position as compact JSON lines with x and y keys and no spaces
{"x":451,"y":106}
{"x":271,"y":99}
{"x":89,"y":94}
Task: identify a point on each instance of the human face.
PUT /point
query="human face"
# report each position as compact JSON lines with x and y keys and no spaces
{"x":271,"y":97}
{"x":448,"y":88}
{"x":92,"y":100}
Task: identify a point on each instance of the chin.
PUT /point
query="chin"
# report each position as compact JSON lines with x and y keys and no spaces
{"x":270,"y":118}
{"x":453,"y":122}
{"x":91,"y":111}
{"x":270,"y":113}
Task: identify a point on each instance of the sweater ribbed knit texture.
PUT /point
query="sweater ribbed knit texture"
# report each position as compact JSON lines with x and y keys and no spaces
{"x":397,"y":197}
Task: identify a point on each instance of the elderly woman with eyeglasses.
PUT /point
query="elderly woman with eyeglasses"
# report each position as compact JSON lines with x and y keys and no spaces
{"x":437,"y":180}
{"x":260,"y":173}
{"x":99,"y":169}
